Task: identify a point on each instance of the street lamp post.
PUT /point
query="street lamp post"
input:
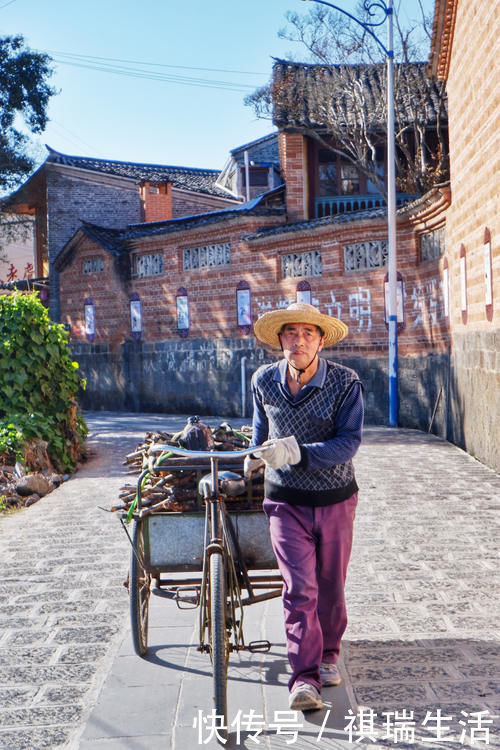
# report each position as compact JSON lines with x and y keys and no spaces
{"x":387,"y":9}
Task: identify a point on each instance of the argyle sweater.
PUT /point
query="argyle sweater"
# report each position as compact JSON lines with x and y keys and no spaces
{"x":311,"y":419}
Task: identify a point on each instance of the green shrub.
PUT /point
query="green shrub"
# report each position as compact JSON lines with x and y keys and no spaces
{"x":39,"y":382}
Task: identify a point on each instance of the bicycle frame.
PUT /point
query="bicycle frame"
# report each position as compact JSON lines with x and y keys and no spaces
{"x":224,"y":572}
{"x":220,"y":536}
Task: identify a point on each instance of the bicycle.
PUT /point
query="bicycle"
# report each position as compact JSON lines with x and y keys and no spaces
{"x":233,"y":544}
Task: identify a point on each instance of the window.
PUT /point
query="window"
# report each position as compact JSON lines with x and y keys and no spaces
{"x":301,"y":264}
{"x":206,"y":256}
{"x":365,"y":255}
{"x":258,"y":177}
{"x":336,"y":176}
{"x":89,"y":318}
{"x":148,"y":265}
{"x":432,"y":244}
{"x":350,"y":179}
{"x":303,"y":292}
{"x":95,"y":264}
{"x":327,"y":172}
{"x":182,"y":310}
{"x":244,"y":306}
{"x":135,"y":316}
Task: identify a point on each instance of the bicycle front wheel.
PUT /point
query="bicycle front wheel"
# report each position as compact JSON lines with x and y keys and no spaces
{"x":139,"y":592}
{"x":219,"y":638}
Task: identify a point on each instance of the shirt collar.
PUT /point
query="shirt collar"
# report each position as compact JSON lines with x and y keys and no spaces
{"x":317,"y":381}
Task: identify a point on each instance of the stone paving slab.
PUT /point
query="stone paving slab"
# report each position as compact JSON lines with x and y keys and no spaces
{"x":422,"y":599}
{"x":63,"y":606}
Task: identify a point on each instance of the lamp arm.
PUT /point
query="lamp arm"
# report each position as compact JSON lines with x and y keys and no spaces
{"x":365,"y":25}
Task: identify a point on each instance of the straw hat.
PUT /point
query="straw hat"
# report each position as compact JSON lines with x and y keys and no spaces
{"x":267,"y":327}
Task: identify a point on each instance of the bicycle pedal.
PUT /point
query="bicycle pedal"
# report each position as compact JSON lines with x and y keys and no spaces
{"x":184,"y":601}
{"x":263,"y":646}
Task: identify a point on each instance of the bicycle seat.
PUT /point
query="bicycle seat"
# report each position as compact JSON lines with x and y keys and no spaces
{"x":229,"y":484}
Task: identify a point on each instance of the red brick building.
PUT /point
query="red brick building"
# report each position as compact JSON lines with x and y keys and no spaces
{"x":160,"y":311}
{"x":166,"y":294}
{"x":466,"y":54}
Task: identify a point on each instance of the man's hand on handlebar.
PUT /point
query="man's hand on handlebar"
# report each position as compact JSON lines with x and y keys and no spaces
{"x":280,"y":451}
{"x":251,"y":464}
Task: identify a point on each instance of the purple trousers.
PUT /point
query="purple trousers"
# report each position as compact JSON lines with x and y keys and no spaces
{"x":312,"y":547}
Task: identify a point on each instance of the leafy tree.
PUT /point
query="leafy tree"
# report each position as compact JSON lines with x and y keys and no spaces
{"x":24,"y":93}
{"x":24,"y":96}
{"x":347,"y":111}
{"x":39,"y":382}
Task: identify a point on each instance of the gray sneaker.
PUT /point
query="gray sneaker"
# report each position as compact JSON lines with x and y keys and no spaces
{"x":304,"y":697}
{"x":329,"y":674}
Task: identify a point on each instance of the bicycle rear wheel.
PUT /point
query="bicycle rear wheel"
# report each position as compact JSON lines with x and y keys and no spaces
{"x":219,"y":638}
{"x":139,"y":592}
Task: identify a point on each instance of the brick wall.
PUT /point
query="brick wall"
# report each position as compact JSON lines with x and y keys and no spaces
{"x":474,"y":115}
{"x":106,"y":289}
{"x":294,"y":168}
{"x":156,"y":201}
{"x":204,"y":368}
{"x":192,"y":204}
{"x":354,"y":296}
{"x":72,"y":197}
{"x":474,"y":129}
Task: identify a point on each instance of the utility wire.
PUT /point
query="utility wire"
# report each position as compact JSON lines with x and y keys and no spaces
{"x":89,"y":58}
{"x":144,"y":71}
{"x":184,"y":80}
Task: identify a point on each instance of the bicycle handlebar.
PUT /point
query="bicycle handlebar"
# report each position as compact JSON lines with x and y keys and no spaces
{"x":158,"y":448}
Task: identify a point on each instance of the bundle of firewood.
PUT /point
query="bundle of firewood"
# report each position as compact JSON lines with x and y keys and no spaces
{"x":171,"y":482}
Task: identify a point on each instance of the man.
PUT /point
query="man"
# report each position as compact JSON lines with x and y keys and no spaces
{"x":307,"y":422}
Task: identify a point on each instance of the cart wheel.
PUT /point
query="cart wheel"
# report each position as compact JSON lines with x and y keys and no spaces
{"x":219,"y":639}
{"x":139,"y":591}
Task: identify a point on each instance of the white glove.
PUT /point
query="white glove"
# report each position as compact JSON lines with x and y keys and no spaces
{"x":279,"y":452}
{"x":251,"y":464}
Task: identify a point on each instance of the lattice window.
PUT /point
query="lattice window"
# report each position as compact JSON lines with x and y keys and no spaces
{"x":301,"y":264}
{"x":148,"y":265}
{"x":361,"y":256}
{"x":432,"y":244}
{"x":206,"y":256}
{"x":95,"y":264}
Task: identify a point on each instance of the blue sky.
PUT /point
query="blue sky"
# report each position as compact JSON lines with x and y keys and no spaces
{"x":133,"y":118}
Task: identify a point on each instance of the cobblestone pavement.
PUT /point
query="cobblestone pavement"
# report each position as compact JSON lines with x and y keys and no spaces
{"x":422,"y":600}
{"x":63,"y":562}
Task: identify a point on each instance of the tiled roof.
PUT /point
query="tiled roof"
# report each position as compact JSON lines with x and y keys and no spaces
{"x":255,"y":207}
{"x":109,"y":239}
{"x":115,"y":241}
{"x":185,"y":178}
{"x":299,"y":226}
{"x":303,"y":94}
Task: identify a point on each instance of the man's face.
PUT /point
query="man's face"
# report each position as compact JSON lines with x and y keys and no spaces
{"x":300,"y":342}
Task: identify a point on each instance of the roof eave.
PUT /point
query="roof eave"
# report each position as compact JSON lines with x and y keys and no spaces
{"x":445,"y":12}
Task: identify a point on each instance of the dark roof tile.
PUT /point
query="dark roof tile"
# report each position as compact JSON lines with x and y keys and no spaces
{"x":299,"y":226}
{"x":185,"y":178}
{"x":303,"y":94}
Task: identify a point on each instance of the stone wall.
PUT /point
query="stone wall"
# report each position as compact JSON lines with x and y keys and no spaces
{"x":204,"y":377}
{"x":474,"y":415}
